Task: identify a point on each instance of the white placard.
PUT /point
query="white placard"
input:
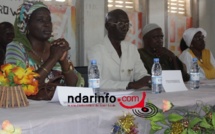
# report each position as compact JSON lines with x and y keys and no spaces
{"x":172,"y":81}
{"x":62,"y":94}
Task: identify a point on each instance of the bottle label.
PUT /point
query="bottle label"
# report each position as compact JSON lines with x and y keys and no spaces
{"x":194,"y":76}
{"x":94,"y":83}
{"x":156,"y":80}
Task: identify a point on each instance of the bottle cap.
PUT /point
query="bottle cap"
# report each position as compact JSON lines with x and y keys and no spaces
{"x":156,"y":59}
{"x":195,"y":59}
{"x":93,"y":62}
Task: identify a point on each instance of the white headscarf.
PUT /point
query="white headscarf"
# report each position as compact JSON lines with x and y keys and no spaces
{"x":189,"y":34}
{"x":149,"y":27}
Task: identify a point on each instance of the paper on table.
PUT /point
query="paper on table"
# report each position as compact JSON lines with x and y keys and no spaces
{"x":63,"y":92}
{"x":172,"y":81}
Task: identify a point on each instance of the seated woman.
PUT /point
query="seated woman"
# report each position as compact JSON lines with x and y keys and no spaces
{"x":194,"y":38}
{"x":31,"y":47}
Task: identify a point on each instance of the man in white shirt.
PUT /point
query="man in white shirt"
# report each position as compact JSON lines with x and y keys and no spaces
{"x":118,"y":61}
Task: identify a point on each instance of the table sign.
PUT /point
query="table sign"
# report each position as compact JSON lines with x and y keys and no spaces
{"x":63,"y":92}
{"x":172,"y":81}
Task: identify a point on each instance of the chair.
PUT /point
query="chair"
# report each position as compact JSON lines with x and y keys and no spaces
{"x":83,"y":70}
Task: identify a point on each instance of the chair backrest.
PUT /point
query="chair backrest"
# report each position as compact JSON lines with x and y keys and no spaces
{"x":83,"y":70}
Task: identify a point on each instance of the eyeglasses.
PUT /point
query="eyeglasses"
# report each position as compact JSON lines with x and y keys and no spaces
{"x":121,"y":25}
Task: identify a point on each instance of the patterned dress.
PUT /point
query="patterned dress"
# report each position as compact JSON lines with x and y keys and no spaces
{"x":16,"y":54}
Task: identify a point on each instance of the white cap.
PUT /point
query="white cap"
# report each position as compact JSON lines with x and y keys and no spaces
{"x":149,"y":27}
{"x":189,"y":34}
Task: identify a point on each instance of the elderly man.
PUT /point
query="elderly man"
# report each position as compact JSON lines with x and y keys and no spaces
{"x":153,"y":48}
{"x":119,"y":62}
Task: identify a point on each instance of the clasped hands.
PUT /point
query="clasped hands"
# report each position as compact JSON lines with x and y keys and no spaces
{"x":59,"y":49}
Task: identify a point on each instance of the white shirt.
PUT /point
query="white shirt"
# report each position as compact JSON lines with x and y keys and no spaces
{"x":186,"y":58}
{"x":116,"y":72}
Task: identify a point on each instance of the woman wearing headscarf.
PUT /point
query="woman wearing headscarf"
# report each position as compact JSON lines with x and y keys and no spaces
{"x":31,"y":46}
{"x":194,"y":39}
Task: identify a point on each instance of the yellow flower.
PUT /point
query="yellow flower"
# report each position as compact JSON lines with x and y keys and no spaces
{"x":18,"y":72}
{"x":6,"y":125}
{"x":23,"y":76}
{"x":14,"y":75}
{"x":6,"y":68}
{"x":30,"y":71}
{"x":167,"y":105}
{"x":3,"y":80}
{"x":8,"y":128}
{"x":31,"y":89}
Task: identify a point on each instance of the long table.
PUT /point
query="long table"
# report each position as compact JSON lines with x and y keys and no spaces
{"x":43,"y":117}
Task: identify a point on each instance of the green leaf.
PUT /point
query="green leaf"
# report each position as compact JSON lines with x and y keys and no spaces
{"x":175,"y":117}
{"x":184,"y":132}
{"x":205,"y":124}
{"x":155,"y":126}
{"x":157,"y":117}
{"x":190,"y":131}
{"x":194,"y":121}
{"x":21,"y":64}
{"x":206,"y":108}
{"x":163,"y":122}
{"x":167,"y":131}
{"x":213,"y":120}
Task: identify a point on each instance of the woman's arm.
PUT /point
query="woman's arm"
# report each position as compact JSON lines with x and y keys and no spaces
{"x":15,"y":53}
{"x":68,"y":72}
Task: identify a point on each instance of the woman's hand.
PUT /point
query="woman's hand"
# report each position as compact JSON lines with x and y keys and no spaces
{"x":59,"y":49}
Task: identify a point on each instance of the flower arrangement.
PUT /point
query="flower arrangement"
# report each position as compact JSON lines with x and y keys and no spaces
{"x":199,"y":119}
{"x":8,"y":128}
{"x":125,"y":125}
{"x":14,"y":75}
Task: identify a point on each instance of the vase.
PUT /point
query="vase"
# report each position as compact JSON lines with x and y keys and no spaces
{"x":13,"y":96}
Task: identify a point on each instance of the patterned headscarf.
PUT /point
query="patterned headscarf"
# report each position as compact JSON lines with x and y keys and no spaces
{"x":23,"y":15}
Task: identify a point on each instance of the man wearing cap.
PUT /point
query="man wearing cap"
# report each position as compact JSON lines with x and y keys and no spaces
{"x":194,"y":39}
{"x":118,"y":61}
{"x":153,"y":48}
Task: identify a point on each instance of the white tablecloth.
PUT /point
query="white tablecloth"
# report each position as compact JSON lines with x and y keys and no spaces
{"x":42,"y":117}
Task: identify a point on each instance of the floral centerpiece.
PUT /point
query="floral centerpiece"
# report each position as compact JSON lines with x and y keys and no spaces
{"x":8,"y":128}
{"x":17,"y":77}
{"x":125,"y":125}
{"x":197,"y":119}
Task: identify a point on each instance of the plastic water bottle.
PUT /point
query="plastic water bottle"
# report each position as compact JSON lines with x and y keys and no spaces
{"x":94,"y":77}
{"x":156,"y":77}
{"x":194,"y":74}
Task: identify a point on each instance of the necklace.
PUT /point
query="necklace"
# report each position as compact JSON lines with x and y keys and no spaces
{"x":40,"y":57}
